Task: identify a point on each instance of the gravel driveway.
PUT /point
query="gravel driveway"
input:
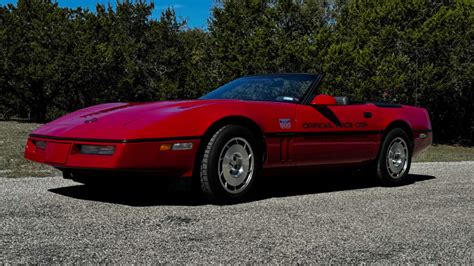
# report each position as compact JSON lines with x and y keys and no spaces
{"x":325,"y":219}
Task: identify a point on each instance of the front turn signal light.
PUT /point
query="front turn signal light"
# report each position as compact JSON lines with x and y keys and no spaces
{"x":165,"y":147}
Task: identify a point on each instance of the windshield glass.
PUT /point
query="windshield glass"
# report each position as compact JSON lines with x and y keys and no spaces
{"x":274,"y":88}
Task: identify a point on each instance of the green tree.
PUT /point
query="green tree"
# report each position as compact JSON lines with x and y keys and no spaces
{"x":250,"y":37}
{"x":55,"y":60}
{"x":412,"y":52}
{"x":35,"y":45}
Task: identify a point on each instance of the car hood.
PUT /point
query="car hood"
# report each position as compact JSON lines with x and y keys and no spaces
{"x":116,"y":120}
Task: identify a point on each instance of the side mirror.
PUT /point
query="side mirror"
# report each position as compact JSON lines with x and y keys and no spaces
{"x":323,"y":100}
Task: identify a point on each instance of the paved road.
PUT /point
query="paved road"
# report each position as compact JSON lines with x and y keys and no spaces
{"x":332,"y":218}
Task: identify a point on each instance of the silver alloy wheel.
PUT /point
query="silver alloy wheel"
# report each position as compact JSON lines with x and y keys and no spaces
{"x":397,"y":158}
{"x":236,"y":165}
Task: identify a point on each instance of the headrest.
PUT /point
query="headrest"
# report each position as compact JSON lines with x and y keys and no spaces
{"x":343,"y":100}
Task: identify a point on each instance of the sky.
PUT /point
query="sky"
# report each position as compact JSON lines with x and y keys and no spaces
{"x":195,"y":12}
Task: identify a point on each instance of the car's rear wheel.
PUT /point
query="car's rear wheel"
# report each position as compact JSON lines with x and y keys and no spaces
{"x":394,"y":160}
{"x":229,"y":165}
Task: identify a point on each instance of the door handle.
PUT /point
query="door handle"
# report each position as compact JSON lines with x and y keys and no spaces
{"x":367,"y":115}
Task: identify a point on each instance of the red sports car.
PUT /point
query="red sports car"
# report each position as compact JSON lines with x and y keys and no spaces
{"x":229,"y":137}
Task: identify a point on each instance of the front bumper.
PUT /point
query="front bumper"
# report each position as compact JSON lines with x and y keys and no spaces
{"x":128,"y":156}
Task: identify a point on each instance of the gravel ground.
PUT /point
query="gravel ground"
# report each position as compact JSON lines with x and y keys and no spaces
{"x":328,"y":219}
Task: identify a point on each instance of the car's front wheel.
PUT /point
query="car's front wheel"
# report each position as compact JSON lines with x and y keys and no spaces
{"x":394,"y":159}
{"x":229,"y":165}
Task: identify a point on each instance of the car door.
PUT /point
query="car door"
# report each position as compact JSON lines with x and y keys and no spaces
{"x":338,"y":134}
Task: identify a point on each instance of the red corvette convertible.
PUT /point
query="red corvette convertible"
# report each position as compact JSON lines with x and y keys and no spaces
{"x":232,"y":135}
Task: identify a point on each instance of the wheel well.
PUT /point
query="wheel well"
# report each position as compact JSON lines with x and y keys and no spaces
{"x":397,"y":124}
{"x":233,"y":120}
{"x":400,"y":124}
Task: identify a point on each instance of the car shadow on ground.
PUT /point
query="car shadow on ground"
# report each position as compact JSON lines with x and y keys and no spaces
{"x":180,"y":192}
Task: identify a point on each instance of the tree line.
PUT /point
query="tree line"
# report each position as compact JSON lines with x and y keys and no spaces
{"x":54,"y":60}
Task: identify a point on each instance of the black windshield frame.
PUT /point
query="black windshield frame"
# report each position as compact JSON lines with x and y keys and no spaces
{"x":315,"y":80}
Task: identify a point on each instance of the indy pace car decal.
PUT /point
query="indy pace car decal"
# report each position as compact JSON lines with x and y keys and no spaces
{"x":329,"y":125}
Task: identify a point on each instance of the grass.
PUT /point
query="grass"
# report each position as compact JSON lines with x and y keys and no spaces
{"x":13,"y":137}
{"x":446,"y":153}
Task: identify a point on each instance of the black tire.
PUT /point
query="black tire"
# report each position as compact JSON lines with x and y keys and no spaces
{"x":216,"y":186}
{"x":387,"y":171}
